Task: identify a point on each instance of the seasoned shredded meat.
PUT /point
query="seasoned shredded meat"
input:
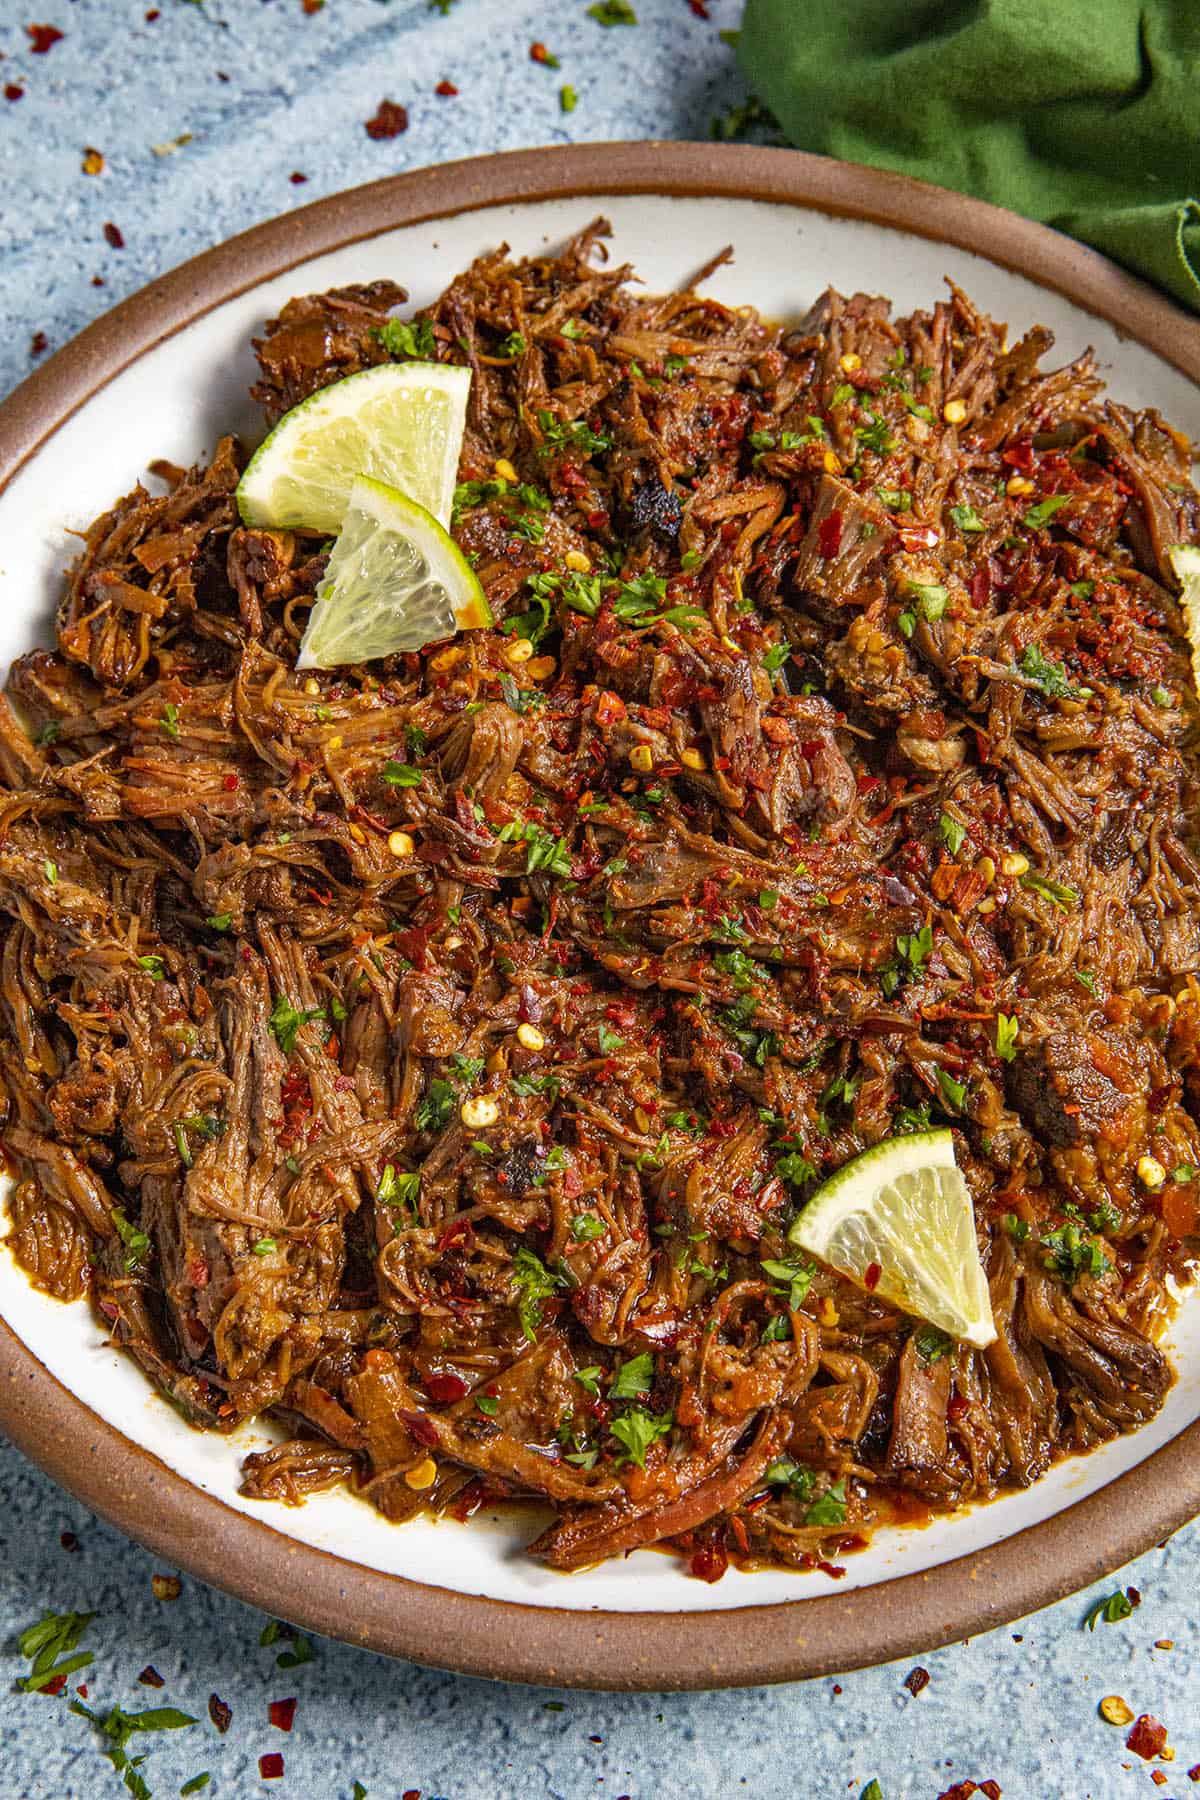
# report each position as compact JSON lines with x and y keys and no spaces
{"x":830,"y":771}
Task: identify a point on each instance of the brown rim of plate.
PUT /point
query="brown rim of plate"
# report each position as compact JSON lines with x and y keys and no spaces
{"x":132,"y":1488}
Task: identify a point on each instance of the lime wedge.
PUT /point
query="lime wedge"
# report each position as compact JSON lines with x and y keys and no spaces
{"x":395,"y":581}
{"x":902,"y":1208}
{"x":1185,"y":560}
{"x":401,"y":422}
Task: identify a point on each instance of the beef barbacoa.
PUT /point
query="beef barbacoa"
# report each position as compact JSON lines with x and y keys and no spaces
{"x":433,"y":1055}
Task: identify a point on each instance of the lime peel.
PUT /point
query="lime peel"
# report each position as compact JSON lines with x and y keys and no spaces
{"x":903,"y":1208}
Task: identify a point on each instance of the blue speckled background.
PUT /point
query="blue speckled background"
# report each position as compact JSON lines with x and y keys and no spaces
{"x":1017,"y":1707}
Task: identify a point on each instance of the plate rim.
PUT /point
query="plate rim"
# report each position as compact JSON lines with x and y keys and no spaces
{"x":129,"y":1485}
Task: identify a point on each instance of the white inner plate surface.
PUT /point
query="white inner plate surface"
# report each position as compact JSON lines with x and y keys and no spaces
{"x":175,"y":402}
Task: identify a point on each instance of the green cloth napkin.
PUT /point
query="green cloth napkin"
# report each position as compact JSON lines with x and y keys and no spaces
{"x":1082,"y":113}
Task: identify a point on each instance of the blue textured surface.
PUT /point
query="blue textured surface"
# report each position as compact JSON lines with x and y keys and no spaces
{"x":1017,"y":1706}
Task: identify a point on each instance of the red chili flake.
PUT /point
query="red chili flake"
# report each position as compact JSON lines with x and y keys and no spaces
{"x":538,"y":53}
{"x":1193,"y":1773}
{"x":1147,"y":1736}
{"x":700,"y":9}
{"x":446,"y":89}
{"x":991,"y":1788}
{"x":43,"y":37}
{"x":153,"y":14}
{"x":916,"y":1680}
{"x":82,"y":1690}
{"x":281,"y":1713}
{"x":1158,"y":1778}
{"x":13,"y":92}
{"x":445,"y":1387}
{"x":150,"y":1677}
{"x":871,"y":1278}
{"x":311,"y":7}
{"x":220,"y":1714}
{"x":270,"y":1766}
{"x":829,"y":535}
{"x":389,"y":121}
{"x":411,"y":1794}
{"x":97,"y":281}
{"x":296,"y":178}
{"x":55,"y":1686}
{"x":113,"y":235}
{"x":68,"y":1540}
{"x":230,"y":783}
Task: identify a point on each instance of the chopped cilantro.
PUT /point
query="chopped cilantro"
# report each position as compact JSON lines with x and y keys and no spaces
{"x":408,"y":337}
{"x":633,"y":1378}
{"x":1051,"y":677}
{"x":952,"y":832}
{"x":796,"y":1277}
{"x":830,"y":1509}
{"x":1111,"y":1609}
{"x":953,"y":1092}
{"x":637,"y":1429}
{"x":536,"y":1283}
{"x":401,"y":775}
{"x":286,"y":1021}
{"x":1044,"y":510}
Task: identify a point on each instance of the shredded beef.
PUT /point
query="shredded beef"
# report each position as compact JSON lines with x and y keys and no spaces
{"x":829,"y":773}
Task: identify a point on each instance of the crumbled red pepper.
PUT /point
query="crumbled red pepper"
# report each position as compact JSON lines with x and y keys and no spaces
{"x":150,"y":1677}
{"x":446,"y":89}
{"x":166,"y":1587}
{"x":829,"y":535}
{"x":14,"y":92}
{"x":68,"y":1540}
{"x":220,"y":1714}
{"x":270,"y":1766}
{"x":388,"y":122}
{"x":113,"y":235}
{"x":296,"y":178}
{"x":42,"y":38}
{"x":916,"y":1680}
{"x":281,"y":1713}
{"x":1147,"y":1736}
{"x":871,"y":1278}
{"x":38,"y":344}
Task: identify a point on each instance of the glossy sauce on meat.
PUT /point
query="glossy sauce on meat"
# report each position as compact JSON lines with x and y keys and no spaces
{"x":830,"y":772}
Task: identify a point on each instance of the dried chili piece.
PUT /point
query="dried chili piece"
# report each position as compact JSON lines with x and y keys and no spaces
{"x":270,"y":1766}
{"x":388,"y":122}
{"x":42,"y":38}
{"x":281,"y":1713}
{"x":220,"y":1714}
{"x":38,"y":344}
{"x":114,"y":235}
{"x":916,"y":1680}
{"x":150,"y":1677}
{"x":446,"y":89}
{"x":1147,"y":1737}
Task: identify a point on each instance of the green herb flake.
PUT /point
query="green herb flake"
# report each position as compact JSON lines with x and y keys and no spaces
{"x":488,"y":1405}
{"x":637,"y":1429}
{"x":795,"y":1276}
{"x":830,"y":1509}
{"x":587,"y":1226}
{"x":967,"y":519}
{"x":1057,"y":892}
{"x":286,"y":1021}
{"x":265,"y":1246}
{"x":952,"y":832}
{"x":1006,"y":1037}
{"x":219,"y":921}
{"x":401,"y":775}
{"x":1111,"y":1609}
{"x":154,"y":967}
{"x":568,"y":99}
{"x":953,"y":1092}
{"x":408,"y":337}
{"x":932,"y":600}
{"x":633,"y":1379}
{"x":1044,"y":510}
{"x":198,"y":1783}
{"x":612,"y":12}
{"x":170,"y":719}
{"x":535,"y":1283}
